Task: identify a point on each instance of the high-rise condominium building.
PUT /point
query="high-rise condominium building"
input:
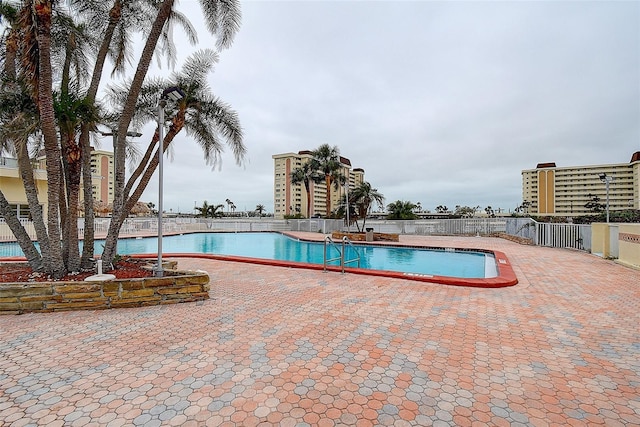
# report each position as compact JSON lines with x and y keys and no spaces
{"x":291,"y":199}
{"x":564,"y":191}
{"x":102,"y":175}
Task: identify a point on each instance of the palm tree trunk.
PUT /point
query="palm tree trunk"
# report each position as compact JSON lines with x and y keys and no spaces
{"x":73,"y":156}
{"x":31,"y":191}
{"x":33,"y":256}
{"x":151,"y":167}
{"x":42,"y":10}
{"x":327,"y":180}
{"x":141,"y":164}
{"x":86,"y":261}
{"x":115,"y":14}
{"x":308,"y":189}
{"x":164,"y":11}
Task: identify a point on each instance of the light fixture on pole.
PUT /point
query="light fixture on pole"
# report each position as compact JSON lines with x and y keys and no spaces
{"x":606,"y":179}
{"x":172,"y":94}
{"x":114,"y":135}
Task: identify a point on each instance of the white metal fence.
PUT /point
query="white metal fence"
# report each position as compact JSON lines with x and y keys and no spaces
{"x":543,"y":234}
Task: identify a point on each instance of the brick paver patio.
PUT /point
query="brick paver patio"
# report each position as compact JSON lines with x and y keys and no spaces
{"x":280,"y":346}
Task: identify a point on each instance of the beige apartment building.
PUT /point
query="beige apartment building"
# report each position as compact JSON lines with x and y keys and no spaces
{"x":102,"y":176}
{"x":564,"y":191}
{"x":13,"y":189}
{"x":291,"y":199}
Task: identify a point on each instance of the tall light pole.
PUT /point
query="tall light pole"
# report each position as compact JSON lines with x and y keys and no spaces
{"x":173,"y":94}
{"x":346,"y":197}
{"x":606,"y":179}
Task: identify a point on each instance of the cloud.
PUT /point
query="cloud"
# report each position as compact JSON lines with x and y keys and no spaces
{"x":439,"y":102}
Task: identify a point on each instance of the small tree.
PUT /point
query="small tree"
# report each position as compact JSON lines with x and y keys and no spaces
{"x":441,"y":209}
{"x":464,"y":211}
{"x":594,"y":204}
{"x":260,"y":210}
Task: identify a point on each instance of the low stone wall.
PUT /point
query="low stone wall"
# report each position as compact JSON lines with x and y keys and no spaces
{"x":517,"y":239}
{"x":362,"y":237}
{"x":175,"y":287}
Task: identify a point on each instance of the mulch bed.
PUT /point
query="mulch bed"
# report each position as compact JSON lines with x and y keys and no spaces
{"x":126,"y":268}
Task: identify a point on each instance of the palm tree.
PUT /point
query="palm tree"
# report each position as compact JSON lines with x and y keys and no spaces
{"x":216,"y":211}
{"x":260,"y":209}
{"x":205,"y":118}
{"x":222,"y":18}
{"x":42,"y":13}
{"x":401,"y":210}
{"x":18,"y":123}
{"x":326,"y":160}
{"x":306,"y":174}
{"x":207,"y":210}
{"x":115,"y":41}
{"x":363,"y":196}
{"x":229,"y":203}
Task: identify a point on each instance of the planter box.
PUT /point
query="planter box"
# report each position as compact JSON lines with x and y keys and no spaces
{"x":175,"y":287}
{"x":362,"y":237}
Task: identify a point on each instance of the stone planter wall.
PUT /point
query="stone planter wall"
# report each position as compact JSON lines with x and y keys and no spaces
{"x":362,"y":237}
{"x":175,"y":287}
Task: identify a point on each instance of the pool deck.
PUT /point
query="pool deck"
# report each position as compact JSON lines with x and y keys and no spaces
{"x":282,"y":346}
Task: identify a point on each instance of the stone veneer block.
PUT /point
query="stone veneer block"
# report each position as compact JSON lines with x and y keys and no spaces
{"x":175,"y":287}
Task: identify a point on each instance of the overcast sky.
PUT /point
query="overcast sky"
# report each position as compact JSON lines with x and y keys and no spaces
{"x":439,"y":102}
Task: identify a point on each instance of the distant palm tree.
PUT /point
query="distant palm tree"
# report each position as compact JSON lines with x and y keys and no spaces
{"x":401,"y":210}
{"x":209,"y":211}
{"x":326,"y":160}
{"x":260,"y":209}
{"x":306,"y":174}
{"x":363,"y":196}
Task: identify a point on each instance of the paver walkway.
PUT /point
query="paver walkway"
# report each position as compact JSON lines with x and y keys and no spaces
{"x":279,"y":346}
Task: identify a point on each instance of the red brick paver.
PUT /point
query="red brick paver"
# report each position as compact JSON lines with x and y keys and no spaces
{"x":280,"y":346}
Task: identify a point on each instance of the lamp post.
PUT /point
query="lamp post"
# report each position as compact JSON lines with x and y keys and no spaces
{"x":346,"y":197}
{"x":606,"y":179}
{"x":173,"y":94}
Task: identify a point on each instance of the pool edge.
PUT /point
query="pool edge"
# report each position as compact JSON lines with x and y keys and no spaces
{"x":506,"y":276}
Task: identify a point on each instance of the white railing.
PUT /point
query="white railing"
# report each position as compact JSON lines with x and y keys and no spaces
{"x":543,"y":234}
{"x":575,"y":236}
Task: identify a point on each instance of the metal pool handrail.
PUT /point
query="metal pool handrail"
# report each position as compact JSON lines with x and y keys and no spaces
{"x":341,"y":251}
{"x":346,"y":241}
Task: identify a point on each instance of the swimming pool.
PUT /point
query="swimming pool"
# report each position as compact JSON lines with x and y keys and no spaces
{"x":427,"y":264}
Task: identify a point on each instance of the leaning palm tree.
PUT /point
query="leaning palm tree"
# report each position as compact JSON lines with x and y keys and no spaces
{"x":204,"y":117}
{"x":222,"y":18}
{"x":326,"y":160}
{"x":363,"y":196}
{"x":260,"y":210}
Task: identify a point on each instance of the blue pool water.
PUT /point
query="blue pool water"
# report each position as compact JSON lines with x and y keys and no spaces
{"x":276,"y":246}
